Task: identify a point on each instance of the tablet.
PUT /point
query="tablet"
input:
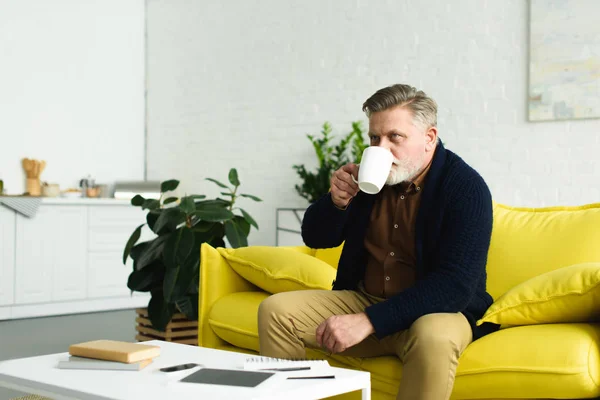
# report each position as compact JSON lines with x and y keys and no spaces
{"x":228,"y":377}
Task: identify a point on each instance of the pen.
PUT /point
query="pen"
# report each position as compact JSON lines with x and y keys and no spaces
{"x":313,"y":377}
{"x":286,"y":369}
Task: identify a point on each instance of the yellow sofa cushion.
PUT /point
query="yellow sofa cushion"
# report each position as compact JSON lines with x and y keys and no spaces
{"x":569,"y":294}
{"x":279,"y":269}
{"x":233,"y":318}
{"x":527,"y":242}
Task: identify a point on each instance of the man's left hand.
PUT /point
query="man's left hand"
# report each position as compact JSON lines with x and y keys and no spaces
{"x":340,"y":332}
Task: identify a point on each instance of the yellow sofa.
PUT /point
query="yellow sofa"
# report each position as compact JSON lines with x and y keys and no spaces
{"x":534,"y":361}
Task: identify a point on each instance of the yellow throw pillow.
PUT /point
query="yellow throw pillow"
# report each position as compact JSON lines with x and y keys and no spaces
{"x":568,"y":294}
{"x":330,"y":256}
{"x":279,"y":269}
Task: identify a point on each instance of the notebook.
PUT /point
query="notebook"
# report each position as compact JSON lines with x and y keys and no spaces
{"x":92,"y":363}
{"x":264,"y":363}
{"x":113,"y":350}
{"x":292,"y":369}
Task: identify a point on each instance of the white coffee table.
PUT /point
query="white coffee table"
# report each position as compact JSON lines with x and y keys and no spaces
{"x":39,"y":375}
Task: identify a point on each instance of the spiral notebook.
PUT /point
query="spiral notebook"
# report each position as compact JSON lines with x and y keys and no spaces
{"x":301,"y":368}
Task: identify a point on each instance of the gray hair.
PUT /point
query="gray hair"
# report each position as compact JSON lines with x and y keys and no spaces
{"x":422,"y":107}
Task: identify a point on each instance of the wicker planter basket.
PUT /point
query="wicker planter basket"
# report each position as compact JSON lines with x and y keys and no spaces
{"x":179,"y":330}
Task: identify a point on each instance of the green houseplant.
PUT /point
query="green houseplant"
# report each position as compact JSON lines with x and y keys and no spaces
{"x":331,"y":157}
{"x":168,"y":265}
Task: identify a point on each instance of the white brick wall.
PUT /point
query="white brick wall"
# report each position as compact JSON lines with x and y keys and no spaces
{"x":239,"y":84}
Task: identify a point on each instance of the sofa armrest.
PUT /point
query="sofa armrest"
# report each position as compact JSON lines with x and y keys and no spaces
{"x":217,"y":279}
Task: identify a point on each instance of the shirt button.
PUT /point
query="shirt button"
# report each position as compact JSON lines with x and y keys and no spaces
{"x":402,"y":197}
{"x":392,"y":254}
{"x":387,"y":278}
{"x":396,"y":226}
{"x":418,"y":188}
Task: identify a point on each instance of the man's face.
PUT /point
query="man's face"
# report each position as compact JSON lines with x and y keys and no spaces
{"x":395,"y":130}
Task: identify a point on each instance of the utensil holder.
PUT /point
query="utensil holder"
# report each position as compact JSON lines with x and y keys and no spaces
{"x":34,"y":188}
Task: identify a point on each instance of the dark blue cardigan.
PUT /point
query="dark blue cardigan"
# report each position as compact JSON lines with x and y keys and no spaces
{"x":453,"y":230}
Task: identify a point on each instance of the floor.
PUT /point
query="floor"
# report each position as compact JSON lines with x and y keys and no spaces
{"x":38,"y":336}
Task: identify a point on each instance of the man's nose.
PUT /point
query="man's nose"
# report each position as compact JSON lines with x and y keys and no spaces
{"x":384,"y":143}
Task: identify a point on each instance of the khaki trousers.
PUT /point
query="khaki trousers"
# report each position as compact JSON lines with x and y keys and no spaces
{"x":429,"y":349}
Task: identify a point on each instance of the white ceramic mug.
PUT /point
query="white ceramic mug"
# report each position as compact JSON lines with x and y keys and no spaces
{"x":374,"y":169}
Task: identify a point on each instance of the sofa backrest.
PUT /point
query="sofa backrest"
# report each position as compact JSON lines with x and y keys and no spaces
{"x":527,"y":242}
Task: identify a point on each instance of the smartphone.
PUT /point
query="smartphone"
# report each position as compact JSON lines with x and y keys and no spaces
{"x":180,"y":367}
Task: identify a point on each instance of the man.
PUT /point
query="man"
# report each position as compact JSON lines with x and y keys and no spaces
{"x":411,"y":279}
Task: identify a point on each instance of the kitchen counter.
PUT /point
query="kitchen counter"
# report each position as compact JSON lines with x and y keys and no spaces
{"x":83,"y":200}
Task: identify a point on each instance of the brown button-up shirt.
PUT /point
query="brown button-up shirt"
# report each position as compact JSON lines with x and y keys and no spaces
{"x":390,"y":238}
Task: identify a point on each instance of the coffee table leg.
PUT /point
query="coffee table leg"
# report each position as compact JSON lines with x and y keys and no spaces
{"x":366,"y":392}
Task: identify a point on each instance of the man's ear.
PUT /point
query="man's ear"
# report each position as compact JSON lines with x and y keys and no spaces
{"x":431,"y":138}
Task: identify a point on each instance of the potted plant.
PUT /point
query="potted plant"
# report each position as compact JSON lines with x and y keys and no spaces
{"x":349,"y":149}
{"x":168,"y":265}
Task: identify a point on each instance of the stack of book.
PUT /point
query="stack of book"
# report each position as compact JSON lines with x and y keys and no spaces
{"x":110,"y":354}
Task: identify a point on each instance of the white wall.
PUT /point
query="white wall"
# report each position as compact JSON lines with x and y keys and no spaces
{"x":240,"y":84}
{"x":72,"y":89}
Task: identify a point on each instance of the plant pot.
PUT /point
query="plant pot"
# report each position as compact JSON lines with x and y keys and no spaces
{"x":179,"y":330}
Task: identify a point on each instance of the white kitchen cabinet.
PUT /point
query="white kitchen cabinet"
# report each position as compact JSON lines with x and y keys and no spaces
{"x":51,"y":255}
{"x":67,"y":258}
{"x":107,"y":275}
{"x":7,"y":256}
{"x":110,"y":229}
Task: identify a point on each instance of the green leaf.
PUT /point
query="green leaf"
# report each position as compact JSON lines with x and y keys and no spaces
{"x":197,"y":196}
{"x":233,"y":177}
{"x":219,"y":203}
{"x":186,"y":245}
{"x":151,"y":218}
{"x":170,"y":185}
{"x":135,"y":236}
{"x":242,"y":224}
{"x":187,"y":279}
{"x":235,"y":235}
{"x":187,"y":205}
{"x":138,"y":250}
{"x":213,"y":214}
{"x":223,"y":203}
{"x":216,"y":231}
{"x":170,"y":200}
{"x":169,"y":254}
{"x":227,"y":194}
{"x":141,"y":280}
{"x":217,"y":242}
{"x":248,"y":218}
{"x":137,"y":200}
{"x":250,"y":197}
{"x":169,"y":282}
{"x":152,"y":253}
{"x":189,"y":306}
{"x":202,"y":226}
{"x":189,"y":274}
{"x":217,"y":182}
{"x":159,"y":311}
{"x":169,"y":219}
{"x":178,"y":247}
{"x":150,"y":204}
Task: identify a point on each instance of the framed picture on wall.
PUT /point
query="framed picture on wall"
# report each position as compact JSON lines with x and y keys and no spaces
{"x":564,"y":63}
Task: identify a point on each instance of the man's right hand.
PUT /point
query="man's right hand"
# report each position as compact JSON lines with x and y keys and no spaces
{"x":343,"y":188}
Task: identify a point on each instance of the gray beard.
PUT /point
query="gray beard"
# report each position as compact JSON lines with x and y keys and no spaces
{"x":402,"y":171}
